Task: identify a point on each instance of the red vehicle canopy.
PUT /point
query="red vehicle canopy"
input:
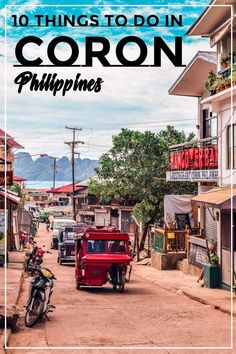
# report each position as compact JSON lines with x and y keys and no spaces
{"x":105,"y":235}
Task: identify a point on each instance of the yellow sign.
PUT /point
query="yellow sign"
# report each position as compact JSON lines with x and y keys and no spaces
{"x":170,"y":235}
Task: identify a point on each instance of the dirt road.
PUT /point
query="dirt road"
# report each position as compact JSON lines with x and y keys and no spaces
{"x":145,"y":315}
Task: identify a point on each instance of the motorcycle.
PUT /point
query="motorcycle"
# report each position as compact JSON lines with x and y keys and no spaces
{"x":41,"y":289}
{"x":34,"y":258}
{"x":38,"y":259}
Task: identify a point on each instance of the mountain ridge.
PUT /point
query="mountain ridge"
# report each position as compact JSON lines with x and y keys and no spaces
{"x":41,"y":169}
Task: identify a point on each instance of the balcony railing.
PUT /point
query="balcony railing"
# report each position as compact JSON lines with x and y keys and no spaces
{"x":167,"y":240}
{"x":221,"y":81}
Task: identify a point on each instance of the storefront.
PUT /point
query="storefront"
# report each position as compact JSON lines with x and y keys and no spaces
{"x":221,"y":205}
{"x":12,"y":202}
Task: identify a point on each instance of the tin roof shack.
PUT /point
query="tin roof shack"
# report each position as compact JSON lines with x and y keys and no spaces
{"x":7,"y":148}
{"x":62,"y":195}
{"x":218,"y":103}
{"x":90,"y":210}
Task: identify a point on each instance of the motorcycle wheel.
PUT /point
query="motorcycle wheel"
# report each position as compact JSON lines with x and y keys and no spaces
{"x":32,"y":316}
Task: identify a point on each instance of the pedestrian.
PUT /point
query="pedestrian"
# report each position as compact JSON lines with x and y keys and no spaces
{"x":23,"y":240}
{"x":47,"y":224}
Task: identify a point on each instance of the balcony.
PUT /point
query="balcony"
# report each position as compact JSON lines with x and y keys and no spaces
{"x":194,"y":161}
{"x":10,"y":156}
{"x":219,"y":86}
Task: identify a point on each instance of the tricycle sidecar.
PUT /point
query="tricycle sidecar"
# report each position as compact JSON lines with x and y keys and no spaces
{"x":102,"y":256}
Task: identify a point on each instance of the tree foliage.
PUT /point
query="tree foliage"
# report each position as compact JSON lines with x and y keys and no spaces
{"x":16,"y":189}
{"x":135,"y":169}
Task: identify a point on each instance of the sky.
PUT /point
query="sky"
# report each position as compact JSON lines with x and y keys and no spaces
{"x":134,"y":98}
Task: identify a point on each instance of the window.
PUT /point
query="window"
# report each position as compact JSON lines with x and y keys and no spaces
{"x":96,"y":246}
{"x":231,"y":146}
{"x":117,"y":246}
{"x":209,"y":124}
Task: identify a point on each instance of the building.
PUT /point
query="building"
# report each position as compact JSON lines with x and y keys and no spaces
{"x":38,"y":197}
{"x":210,"y":160}
{"x":20,"y":181}
{"x":89,"y":209}
{"x":7,"y":148}
{"x":62,"y":196}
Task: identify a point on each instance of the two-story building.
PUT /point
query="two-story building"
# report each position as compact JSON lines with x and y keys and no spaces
{"x":7,"y":148}
{"x":89,"y":209}
{"x":211,"y":159}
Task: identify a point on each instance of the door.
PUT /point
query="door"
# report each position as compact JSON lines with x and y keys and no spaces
{"x":126,"y":221}
{"x":226,"y":245}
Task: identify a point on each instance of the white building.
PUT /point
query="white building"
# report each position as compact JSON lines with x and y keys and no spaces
{"x":213,"y":162}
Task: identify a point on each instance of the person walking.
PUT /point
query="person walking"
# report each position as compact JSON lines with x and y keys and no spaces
{"x":23,"y":240}
{"x":47,"y":224}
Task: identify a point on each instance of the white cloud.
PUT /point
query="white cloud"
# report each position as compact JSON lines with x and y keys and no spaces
{"x":136,"y":98}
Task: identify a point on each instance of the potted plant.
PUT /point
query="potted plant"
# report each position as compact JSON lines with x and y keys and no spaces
{"x":210,"y":82}
{"x":227,"y":82}
{"x":225,"y":61}
{"x":212,"y":266}
{"x":218,"y":84}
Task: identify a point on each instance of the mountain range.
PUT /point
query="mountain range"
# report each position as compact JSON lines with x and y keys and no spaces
{"x":41,"y":169}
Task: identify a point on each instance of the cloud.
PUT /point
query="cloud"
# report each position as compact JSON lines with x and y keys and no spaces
{"x":136,"y":98}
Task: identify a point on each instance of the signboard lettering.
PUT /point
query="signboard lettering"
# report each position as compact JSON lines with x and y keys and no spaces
{"x":194,"y":158}
{"x":192,"y":175}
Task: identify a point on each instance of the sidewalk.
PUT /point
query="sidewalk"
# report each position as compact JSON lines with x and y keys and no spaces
{"x":14,"y":273}
{"x":180,"y":283}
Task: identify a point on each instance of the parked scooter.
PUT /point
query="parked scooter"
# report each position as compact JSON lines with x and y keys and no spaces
{"x":41,"y":289}
{"x":39,"y":256}
{"x":33,"y":259}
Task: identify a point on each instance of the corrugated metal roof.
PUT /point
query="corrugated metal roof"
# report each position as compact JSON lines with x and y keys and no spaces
{"x":19,"y":179}
{"x":217,"y":197}
{"x":68,"y":188}
{"x":10,"y":140}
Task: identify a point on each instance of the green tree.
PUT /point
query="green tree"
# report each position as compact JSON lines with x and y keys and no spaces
{"x":135,"y":169}
{"x":16,"y":189}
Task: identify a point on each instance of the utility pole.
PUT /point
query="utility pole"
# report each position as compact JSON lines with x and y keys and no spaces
{"x":54,"y":171}
{"x":73,"y":144}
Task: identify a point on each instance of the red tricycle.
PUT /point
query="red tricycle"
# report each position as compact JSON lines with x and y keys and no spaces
{"x":102,"y":256}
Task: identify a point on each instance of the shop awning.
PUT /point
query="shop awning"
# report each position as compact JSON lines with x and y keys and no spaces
{"x":217,"y":198}
{"x":10,"y":196}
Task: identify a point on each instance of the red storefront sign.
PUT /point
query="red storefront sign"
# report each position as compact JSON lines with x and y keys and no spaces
{"x":194,"y":158}
{"x":9,"y":178}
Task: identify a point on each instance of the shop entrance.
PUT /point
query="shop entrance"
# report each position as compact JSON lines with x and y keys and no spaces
{"x":226,"y":245}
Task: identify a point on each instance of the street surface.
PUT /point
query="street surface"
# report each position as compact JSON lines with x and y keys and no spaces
{"x":144,"y":315}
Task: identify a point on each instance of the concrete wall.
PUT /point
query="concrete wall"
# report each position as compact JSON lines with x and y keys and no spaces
{"x":190,"y":268}
{"x":165,"y":261}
